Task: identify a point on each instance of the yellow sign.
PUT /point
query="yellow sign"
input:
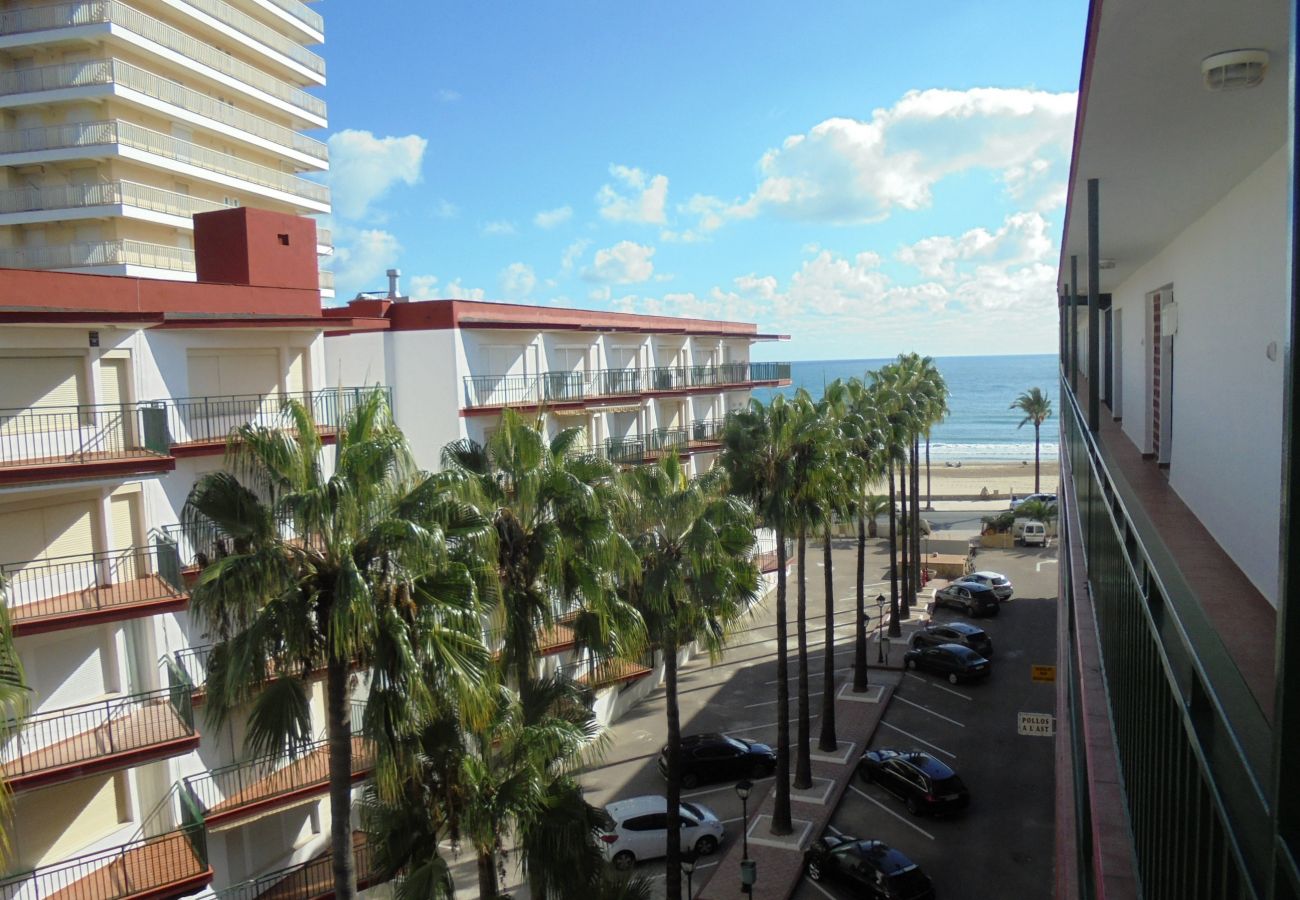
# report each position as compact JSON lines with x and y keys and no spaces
{"x":1044,"y":673}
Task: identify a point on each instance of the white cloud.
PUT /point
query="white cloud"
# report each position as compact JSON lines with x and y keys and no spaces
{"x":636,"y":198}
{"x":425,"y":287}
{"x":624,"y":263}
{"x":362,"y":257}
{"x":499,"y":228}
{"x":445,"y":209}
{"x":447,"y":95}
{"x":573,"y":253}
{"x":549,"y":218}
{"x":422,"y":287}
{"x":518,"y":280}
{"x":1023,"y":238}
{"x":363,"y":168}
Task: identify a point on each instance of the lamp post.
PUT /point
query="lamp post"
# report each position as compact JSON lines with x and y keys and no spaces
{"x":688,"y":868}
{"x":748,"y":869}
{"x":880,"y":630}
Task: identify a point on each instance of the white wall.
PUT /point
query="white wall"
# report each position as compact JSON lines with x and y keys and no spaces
{"x":1228,"y":272}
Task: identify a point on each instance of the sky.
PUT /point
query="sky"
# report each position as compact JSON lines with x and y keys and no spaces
{"x":868,"y":177}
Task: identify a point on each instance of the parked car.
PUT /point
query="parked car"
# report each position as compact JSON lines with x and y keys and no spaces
{"x":972,"y":599}
{"x":872,"y":868}
{"x":637,"y":829}
{"x":963,"y":633}
{"x":1049,"y":499}
{"x":924,"y":783}
{"x":1029,"y":532}
{"x":953,"y":661}
{"x":707,"y":758}
{"x":1001,"y":585}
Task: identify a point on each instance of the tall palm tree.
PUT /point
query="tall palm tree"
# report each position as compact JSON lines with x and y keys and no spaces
{"x":834,"y":482}
{"x":1037,"y":408}
{"x":873,"y":507}
{"x":14,"y":695}
{"x":863,"y":444}
{"x":377,"y":574}
{"x":694,"y":543}
{"x":888,"y":403}
{"x":757,"y":451}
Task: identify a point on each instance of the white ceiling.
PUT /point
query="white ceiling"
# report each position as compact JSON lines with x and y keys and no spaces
{"x":1164,"y":148}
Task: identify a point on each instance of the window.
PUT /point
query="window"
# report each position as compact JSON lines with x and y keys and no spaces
{"x":284,"y":239}
{"x":652,"y":822}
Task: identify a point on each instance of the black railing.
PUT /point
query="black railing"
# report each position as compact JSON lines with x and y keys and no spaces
{"x":87,"y":583}
{"x":1192,"y":743}
{"x":312,"y":879}
{"x":75,"y":735}
{"x":203,"y":542}
{"x":560,"y":387}
{"x":57,"y":435}
{"x":625,"y":451}
{"x":707,"y":431}
{"x":207,"y":420}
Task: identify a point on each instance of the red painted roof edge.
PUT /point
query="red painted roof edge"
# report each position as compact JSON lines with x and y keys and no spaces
{"x":77,"y":317}
{"x":1080,"y":116}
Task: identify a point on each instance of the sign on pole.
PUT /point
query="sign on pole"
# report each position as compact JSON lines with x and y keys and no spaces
{"x":1037,"y":724}
{"x":1043,"y":673}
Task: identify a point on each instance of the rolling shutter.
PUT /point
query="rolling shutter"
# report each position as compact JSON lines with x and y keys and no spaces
{"x":124,"y":533}
{"x":60,"y":530}
{"x":296,"y":382}
{"x":113,"y":387}
{"x":36,"y":382}
{"x":224,"y":373}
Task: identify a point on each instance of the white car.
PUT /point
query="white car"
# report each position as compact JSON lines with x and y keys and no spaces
{"x":1001,"y":585}
{"x":638,"y":829}
{"x":1049,"y":499}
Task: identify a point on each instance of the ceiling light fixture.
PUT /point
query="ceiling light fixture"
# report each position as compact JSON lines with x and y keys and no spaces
{"x":1234,"y":70}
{"x":1105,"y":263}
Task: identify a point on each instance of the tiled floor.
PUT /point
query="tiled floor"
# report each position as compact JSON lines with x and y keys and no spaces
{"x":314,"y":880}
{"x":138,"y":872}
{"x":300,"y":776}
{"x":148,"y":589}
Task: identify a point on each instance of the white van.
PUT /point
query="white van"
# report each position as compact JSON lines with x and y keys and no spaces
{"x":1029,"y":532}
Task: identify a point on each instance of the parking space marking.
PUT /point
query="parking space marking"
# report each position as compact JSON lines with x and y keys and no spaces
{"x":820,"y":888}
{"x":722,"y":787}
{"x":1045,"y":562}
{"x":940,"y":687}
{"x":930,"y":711}
{"x":919,"y":740}
{"x":913,"y":825}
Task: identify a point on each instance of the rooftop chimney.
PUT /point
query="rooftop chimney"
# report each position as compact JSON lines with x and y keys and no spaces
{"x":394,"y":288}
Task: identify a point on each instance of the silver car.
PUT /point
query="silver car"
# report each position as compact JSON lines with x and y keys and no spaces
{"x":1000,"y":584}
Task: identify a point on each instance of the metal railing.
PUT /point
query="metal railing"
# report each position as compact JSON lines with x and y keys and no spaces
{"x":90,"y":582}
{"x":1193,"y":745}
{"x":115,"y":132}
{"x":556,"y":387}
{"x":204,"y":420}
{"x":625,"y":451}
{"x":311,"y":879}
{"x":302,"y":13}
{"x":96,"y":12}
{"x":79,"y":434}
{"x":325,"y":237}
{"x":113,"y":193}
{"x":258,"y":781}
{"x":79,"y":734}
{"x":88,"y":254}
{"x":115,"y":71}
{"x":263,"y":34}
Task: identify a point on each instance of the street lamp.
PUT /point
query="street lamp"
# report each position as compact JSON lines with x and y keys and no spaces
{"x":688,"y":868}
{"x":880,"y":630}
{"x":742,"y":791}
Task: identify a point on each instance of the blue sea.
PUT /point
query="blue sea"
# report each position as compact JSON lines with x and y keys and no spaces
{"x":980,"y":425}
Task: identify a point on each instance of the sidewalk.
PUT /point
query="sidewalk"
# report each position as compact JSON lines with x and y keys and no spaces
{"x":780,"y":859}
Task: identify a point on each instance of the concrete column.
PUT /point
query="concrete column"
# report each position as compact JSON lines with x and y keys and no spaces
{"x":1094,"y":309}
{"x":1072,"y":319}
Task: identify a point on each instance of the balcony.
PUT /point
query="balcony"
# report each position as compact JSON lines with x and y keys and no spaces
{"x":551,"y":388}
{"x":129,"y":77}
{"x":75,"y":741}
{"x":106,"y":138}
{"x":94,"y":254}
{"x":598,"y":672}
{"x":90,"y":588}
{"x":766,"y":557}
{"x":83,"y":441}
{"x":94,"y":197}
{"x":201,"y":425}
{"x":312,"y":880}
{"x":245,"y":790}
{"x":67,"y":16}
{"x":300,"y":11}
{"x":263,"y":34}
{"x":327,"y":281}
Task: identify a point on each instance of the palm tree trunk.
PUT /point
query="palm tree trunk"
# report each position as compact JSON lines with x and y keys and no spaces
{"x":1037,"y":426}
{"x":860,"y":626}
{"x":673,"y":861}
{"x":929,"y":497}
{"x":895,"y":630}
{"x":487,"y":876}
{"x":918,"y":563}
{"x":905,"y":601}
{"x":338,"y":731}
{"x":827,"y":740}
{"x":781,"y":824}
{"x":803,"y":739}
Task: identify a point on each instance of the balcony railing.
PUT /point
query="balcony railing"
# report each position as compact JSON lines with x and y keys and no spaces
{"x":664,"y":441}
{"x":77,"y":435}
{"x":263,"y":34}
{"x":625,"y":451}
{"x":88,"y":587}
{"x":111,"y":12}
{"x":113,"y":193}
{"x":1193,"y":746}
{"x":312,"y":880}
{"x":115,"y":132}
{"x":326,"y":280}
{"x":302,"y":13}
{"x":325,"y":237}
{"x":210,"y":420}
{"x":567,"y":387}
{"x":255,"y":786}
{"x":100,"y":736}
{"x":765,"y":555}
{"x":90,"y":254}
{"x":604,"y":671}
{"x":115,"y":71}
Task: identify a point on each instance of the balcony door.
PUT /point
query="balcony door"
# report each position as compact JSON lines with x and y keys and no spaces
{"x":228,"y":388}
{"x":47,"y":552}
{"x":1162,"y":325}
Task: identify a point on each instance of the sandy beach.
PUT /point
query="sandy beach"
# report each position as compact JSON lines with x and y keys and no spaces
{"x":1000,"y":478}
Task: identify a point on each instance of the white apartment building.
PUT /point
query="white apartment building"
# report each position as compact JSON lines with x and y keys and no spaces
{"x":121,"y":120}
{"x":638,"y":386}
{"x":116,"y":394}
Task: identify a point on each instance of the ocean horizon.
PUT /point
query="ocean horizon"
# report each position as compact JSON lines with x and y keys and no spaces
{"x":980,"y":425}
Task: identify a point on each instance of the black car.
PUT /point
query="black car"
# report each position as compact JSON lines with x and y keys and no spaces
{"x":963,"y":633}
{"x":971,"y":598}
{"x":956,"y":662}
{"x":716,"y":757}
{"x":918,"y":779}
{"x":873,"y":868}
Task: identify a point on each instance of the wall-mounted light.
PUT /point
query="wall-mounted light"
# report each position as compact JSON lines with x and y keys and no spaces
{"x":1234,"y":70}
{"x":1105,"y":263}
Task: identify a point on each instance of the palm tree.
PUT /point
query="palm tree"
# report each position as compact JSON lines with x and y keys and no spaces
{"x":1037,"y":408}
{"x":888,"y":404}
{"x":873,"y":506}
{"x":696,"y":576}
{"x":378,"y":574}
{"x":863,"y":442}
{"x":757,"y":450}
{"x":834,"y":482}
{"x":14,"y":695}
